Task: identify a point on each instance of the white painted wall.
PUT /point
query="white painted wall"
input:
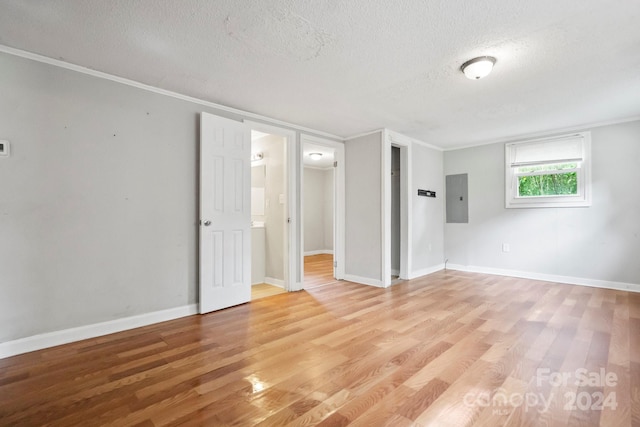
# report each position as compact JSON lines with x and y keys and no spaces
{"x":318,"y":210}
{"x":601,"y":242}
{"x":273,"y":149}
{"x":428,"y":213}
{"x":363,"y":182}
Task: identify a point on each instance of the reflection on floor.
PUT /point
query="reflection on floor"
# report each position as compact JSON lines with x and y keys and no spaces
{"x":352,"y":354}
{"x":318,"y":270}
{"x":263,"y":290}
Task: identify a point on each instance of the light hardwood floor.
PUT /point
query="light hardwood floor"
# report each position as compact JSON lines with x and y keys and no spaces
{"x":431,"y":351}
{"x":318,"y":270}
{"x":264,"y":290}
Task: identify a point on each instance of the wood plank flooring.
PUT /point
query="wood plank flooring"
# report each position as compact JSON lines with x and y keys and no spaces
{"x":318,"y":270}
{"x":264,"y":290}
{"x":448,"y":349}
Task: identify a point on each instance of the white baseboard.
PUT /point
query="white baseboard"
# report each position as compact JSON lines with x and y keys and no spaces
{"x":65,"y":336}
{"x":594,"y":283}
{"x":364,"y":280}
{"x":424,"y":271}
{"x":319,"y":252}
{"x":275,"y":282}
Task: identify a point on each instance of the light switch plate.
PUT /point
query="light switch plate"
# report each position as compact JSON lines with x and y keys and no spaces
{"x":4,"y":148}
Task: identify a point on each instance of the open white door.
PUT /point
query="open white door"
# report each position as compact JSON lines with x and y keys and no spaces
{"x":225,"y":213}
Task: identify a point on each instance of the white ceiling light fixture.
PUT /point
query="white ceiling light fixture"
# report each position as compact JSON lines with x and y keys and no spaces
{"x":315,"y":156}
{"x":478,"y":68}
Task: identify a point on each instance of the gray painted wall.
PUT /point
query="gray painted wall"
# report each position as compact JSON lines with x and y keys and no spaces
{"x":98,"y":202}
{"x":318,"y":209}
{"x":428,"y":213}
{"x":600,"y":242}
{"x":363,"y":200}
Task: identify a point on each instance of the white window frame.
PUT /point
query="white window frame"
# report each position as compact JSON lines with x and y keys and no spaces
{"x":582,"y":199}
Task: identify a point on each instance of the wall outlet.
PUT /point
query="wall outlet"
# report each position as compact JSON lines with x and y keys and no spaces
{"x":505,"y":247}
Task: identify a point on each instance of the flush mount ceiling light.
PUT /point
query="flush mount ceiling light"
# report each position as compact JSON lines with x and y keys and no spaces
{"x":315,"y":156}
{"x":478,"y":68}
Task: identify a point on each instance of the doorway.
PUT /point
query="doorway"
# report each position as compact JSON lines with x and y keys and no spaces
{"x":322,"y":189}
{"x":318,"y":213}
{"x":396,"y":215}
{"x":269,"y":214}
{"x":396,"y":219}
{"x":225,"y":183}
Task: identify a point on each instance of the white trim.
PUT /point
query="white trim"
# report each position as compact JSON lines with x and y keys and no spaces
{"x":427,"y":145}
{"x":133,"y":83}
{"x":322,"y":141}
{"x":364,"y":280}
{"x":548,"y":133}
{"x":406,"y":200}
{"x":580,"y":281}
{"x":319,"y":252}
{"x":425,"y":271}
{"x":300,"y":230}
{"x":65,"y":336}
{"x":385,"y":208}
{"x":401,"y":139}
{"x":360,"y":135}
{"x":274,"y":282}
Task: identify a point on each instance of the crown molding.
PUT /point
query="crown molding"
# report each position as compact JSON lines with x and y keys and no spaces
{"x":549,"y":133}
{"x":106,"y":76}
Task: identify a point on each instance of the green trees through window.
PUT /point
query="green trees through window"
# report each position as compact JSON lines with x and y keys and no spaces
{"x":533,"y":181}
{"x":548,"y":185}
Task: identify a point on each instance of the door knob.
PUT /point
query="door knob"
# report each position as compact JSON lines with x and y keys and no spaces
{"x":207,"y":223}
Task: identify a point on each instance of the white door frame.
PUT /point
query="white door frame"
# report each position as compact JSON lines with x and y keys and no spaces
{"x":338,"y":208}
{"x":290,"y":173}
{"x":391,"y":138}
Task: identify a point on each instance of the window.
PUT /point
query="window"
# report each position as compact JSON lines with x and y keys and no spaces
{"x":551,"y":172}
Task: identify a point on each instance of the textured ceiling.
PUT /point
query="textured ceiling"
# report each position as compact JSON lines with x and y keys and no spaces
{"x":351,"y":66}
